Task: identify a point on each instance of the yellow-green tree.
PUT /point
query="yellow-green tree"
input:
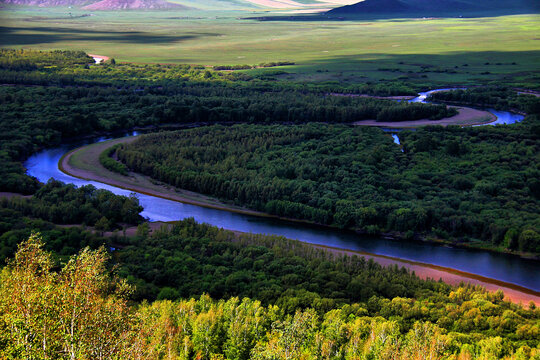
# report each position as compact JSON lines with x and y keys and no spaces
{"x":79,"y":312}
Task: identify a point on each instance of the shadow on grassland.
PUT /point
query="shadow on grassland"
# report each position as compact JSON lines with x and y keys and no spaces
{"x":45,"y":35}
{"x":392,"y":16}
{"x":519,"y":68}
{"x":463,"y":60}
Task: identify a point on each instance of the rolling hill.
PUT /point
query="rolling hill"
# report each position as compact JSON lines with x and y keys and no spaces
{"x":436,"y":8}
{"x":133,"y":5}
{"x":100,"y":5}
{"x":290,"y":5}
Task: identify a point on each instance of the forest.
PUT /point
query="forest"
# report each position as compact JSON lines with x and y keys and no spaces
{"x":82,"y":310}
{"x":72,"y":207}
{"x":40,"y":109}
{"x":193,"y":291}
{"x":460,"y":184}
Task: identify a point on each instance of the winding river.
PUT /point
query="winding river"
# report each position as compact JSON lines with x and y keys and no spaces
{"x":510,"y":269}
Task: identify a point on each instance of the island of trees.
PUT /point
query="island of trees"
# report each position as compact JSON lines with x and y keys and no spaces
{"x":461,"y":184}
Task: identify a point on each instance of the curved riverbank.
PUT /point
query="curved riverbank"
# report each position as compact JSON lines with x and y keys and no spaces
{"x":466,"y":117}
{"x":83,"y":163}
{"x":514,"y":293}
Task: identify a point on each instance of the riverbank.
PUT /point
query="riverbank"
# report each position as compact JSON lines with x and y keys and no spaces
{"x":512,"y":292}
{"x":465,"y":117}
{"x":83,"y":163}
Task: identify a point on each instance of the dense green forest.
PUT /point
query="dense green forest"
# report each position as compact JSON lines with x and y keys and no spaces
{"x":462,"y":184}
{"x":193,"y":291}
{"x":105,"y":159}
{"x":58,"y":203}
{"x":57,"y":95}
{"x":192,"y":259}
{"x":82,"y":311}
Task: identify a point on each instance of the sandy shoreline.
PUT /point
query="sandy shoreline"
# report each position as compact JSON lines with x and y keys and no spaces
{"x":514,"y":293}
{"x":89,"y":168}
{"x":141,"y":184}
{"x":466,"y":117}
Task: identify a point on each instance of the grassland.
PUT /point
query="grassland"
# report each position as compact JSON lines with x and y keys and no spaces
{"x":422,"y":51}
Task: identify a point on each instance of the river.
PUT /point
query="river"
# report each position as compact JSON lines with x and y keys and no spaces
{"x":503,"y":117}
{"x":511,"y":269}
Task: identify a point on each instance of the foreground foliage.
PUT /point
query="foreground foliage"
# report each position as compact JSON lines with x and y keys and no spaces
{"x":77,"y":313}
{"x":461,"y":184}
{"x":81,"y":312}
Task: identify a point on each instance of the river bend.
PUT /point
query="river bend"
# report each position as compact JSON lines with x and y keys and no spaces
{"x":511,"y":269}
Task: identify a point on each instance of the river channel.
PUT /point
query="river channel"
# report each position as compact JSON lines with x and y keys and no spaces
{"x":511,"y":269}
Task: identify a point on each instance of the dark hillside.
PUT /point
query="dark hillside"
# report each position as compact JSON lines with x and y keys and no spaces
{"x":417,"y":8}
{"x":47,"y":3}
{"x":373,"y":6}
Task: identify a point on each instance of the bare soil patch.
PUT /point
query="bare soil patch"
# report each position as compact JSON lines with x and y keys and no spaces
{"x":103,"y":57}
{"x":466,"y":117}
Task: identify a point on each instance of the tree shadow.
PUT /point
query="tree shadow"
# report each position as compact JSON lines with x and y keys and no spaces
{"x":45,"y":35}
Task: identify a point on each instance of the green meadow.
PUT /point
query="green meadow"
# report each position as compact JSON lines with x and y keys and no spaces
{"x":422,"y":51}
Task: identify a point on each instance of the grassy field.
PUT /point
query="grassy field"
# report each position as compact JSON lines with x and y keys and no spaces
{"x":445,"y":51}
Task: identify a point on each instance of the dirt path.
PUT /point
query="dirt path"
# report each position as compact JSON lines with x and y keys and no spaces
{"x":466,"y":117}
{"x":96,"y":57}
{"x":84,"y":163}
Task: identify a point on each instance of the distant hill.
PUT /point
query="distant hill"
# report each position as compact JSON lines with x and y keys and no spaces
{"x":133,"y":5}
{"x":282,"y":5}
{"x":436,"y":8}
{"x":101,"y":5}
{"x":48,"y":3}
